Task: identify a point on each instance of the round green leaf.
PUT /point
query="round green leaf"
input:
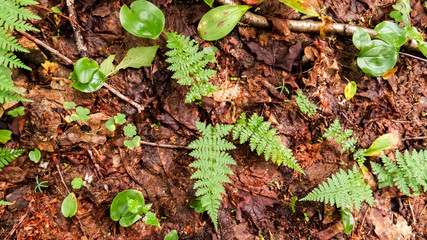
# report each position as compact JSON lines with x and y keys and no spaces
{"x":350,"y":90}
{"x":119,"y":210}
{"x":69,"y":105}
{"x":69,"y":205}
{"x":129,"y":130}
{"x":95,"y":83}
{"x":361,"y":38}
{"x":391,"y":33}
{"x":347,"y":220}
{"x":172,"y":235}
{"x":35,"y":155}
{"x":143,"y":19}
{"x":377,"y":58}
{"x":84,"y":69}
{"x":77,"y":183}
{"x":219,"y":22}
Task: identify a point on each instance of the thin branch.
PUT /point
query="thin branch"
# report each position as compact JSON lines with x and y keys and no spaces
{"x":62,"y":179}
{"x":60,"y":14}
{"x":412,"y":56}
{"x":307,"y":26}
{"x":415,"y":138}
{"x":162,"y":145}
{"x":79,"y":39}
{"x":138,"y":106}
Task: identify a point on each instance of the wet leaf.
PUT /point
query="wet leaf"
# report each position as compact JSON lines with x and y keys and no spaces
{"x":77,"y":183}
{"x":391,"y":33}
{"x":361,"y":39}
{"x":172,"y":235}
{"x":69,"y":205}
{"x":143,"y":19}
{"x":377,"y":58}
{"x":350,"y":90}
{"x":137,"y":57}
{"x":150,"y":219}
{"x":389,"y":73}
{"x":5,"y":135}
{"x":119,"y":210}
{"x":87,"y":77}
{"x":35,"y":155}
{"x":347,"y":220}
{"x":220,"y":21}
{"x":309,"y":7}
{"x":386,"y":141}
{"x":423,"y":48}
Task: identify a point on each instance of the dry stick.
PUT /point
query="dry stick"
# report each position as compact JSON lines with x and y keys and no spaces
{"x":19,"y":223}
{"x":139,"y":107}
{"x":77,"y":34}
{"x":163,"y":145}
{"x":307,"y":26}
{"x":412,"y":56}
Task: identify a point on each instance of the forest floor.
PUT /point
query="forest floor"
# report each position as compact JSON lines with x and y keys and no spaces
{"x":251,"y":63}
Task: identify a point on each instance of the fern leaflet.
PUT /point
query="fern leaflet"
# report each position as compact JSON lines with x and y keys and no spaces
{"x":5,"y":203}
{"x":8,"y":155}
{"x":211,"y":165}
{"x":189,"y":64}
{"x":409,"y":171}
{"x":263,"y":139}
{"x":345,"y":190}
{"x":8,"y":92}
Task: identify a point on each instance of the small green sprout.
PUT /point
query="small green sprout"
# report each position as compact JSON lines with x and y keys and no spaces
{"x":304,"y":104}
{"x":39,"y":185}
{"x":120,"y":118}
{"x":129,"y":130}
{"x":283,"y":87}
{"x":82,"y":114}
{"x":77,"y":183}
{"x":34,"y":155}
{"x":17,"y":111}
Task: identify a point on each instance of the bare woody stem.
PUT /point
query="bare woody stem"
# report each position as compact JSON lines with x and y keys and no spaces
{"x":307,"y":26}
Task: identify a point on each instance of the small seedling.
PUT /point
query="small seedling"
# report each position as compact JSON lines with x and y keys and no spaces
{"x":129,"y":206}
{"x":293,"y":201}
{"x":82,"y":114}
{"x":197,"y":205}
{"x":120,"y":118}
{"x":5,"y":203}
{"x":17,"y":111}
{"x":283,"y":87}
{"x":133,"y":143}
{"x":304,"y":104}
{"x":129,"y":130}
{"x":77,"y":183}
{"x":39,"y":185}
{"x":344,"y":138}
{"x":69,"y":205}
{"x":306,"y":217}
{"x":34,"y":155}
{"x":69,"y":105}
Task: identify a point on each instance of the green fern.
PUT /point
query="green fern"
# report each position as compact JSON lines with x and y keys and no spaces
{"x":263,"y":139}
{"x":211,"y":164}
{"x":189,"y":64}
{"x":8,"y":92}
{"x":12,"y":17}
{"x":410,"y":171}
{"x":345,"y":190}
{"x":344,"y":138}
{"x":8,"y":155}
{"x":5,"y":203}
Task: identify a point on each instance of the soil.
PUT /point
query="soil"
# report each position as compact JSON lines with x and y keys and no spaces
{"x":258,"y":198}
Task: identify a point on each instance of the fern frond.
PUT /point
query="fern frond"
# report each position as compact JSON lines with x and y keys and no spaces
{"x":8,"y":42}
{"x":262,"y":139}
{"x":343,"y":190}
{"x":8,"y":155}
{"x":16,"y":11}
{"x":5,"y":203}
{"x":24,"y":2}
{"x":189,"y":65}
{"x":8,"y":92}
{"x":211,"y":165}
{"x":408,"y":173}
{"x":9,"y":60}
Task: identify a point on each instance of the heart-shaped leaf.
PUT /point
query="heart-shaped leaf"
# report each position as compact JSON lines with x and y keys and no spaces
{"x":87,"y":77}
{"x":143,"y":19}
{"x":219,"y":22}
{"x":69,"y":205}
{"x":391,"y":33}
{"x":377,"y":58}
{"x":35,"y":155}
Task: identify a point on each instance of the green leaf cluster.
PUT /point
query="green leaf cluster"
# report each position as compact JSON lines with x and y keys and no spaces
{"x":82,"y":114}
{"x":129,"y":206}
{"x":344,"y":138}
{"x":263,"y":139}
{"x":8,"y":155}
{"x":13,"y":16}
{"x":189,"y":65}
{"x":409,"y":172}
{"x":344,"y":189}
{"x":304,"y":104}
{"x":17,"y":111}
{"x":130,"y":131}
{"x":211,"y":165}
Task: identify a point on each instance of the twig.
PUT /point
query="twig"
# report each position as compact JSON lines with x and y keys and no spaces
{"x":139,"y":107}
{"x":412,"y":211}
{"x":307,"y":26}
{"x":60,"y":14}
{"x":62,"y":179}
{"x":412,"y":56}
{"x":162,"y":145}
{"x":47,"y":47}
{"x":415,"y":138}
{"x":19,"y":223}
{"x":79,"y":39}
